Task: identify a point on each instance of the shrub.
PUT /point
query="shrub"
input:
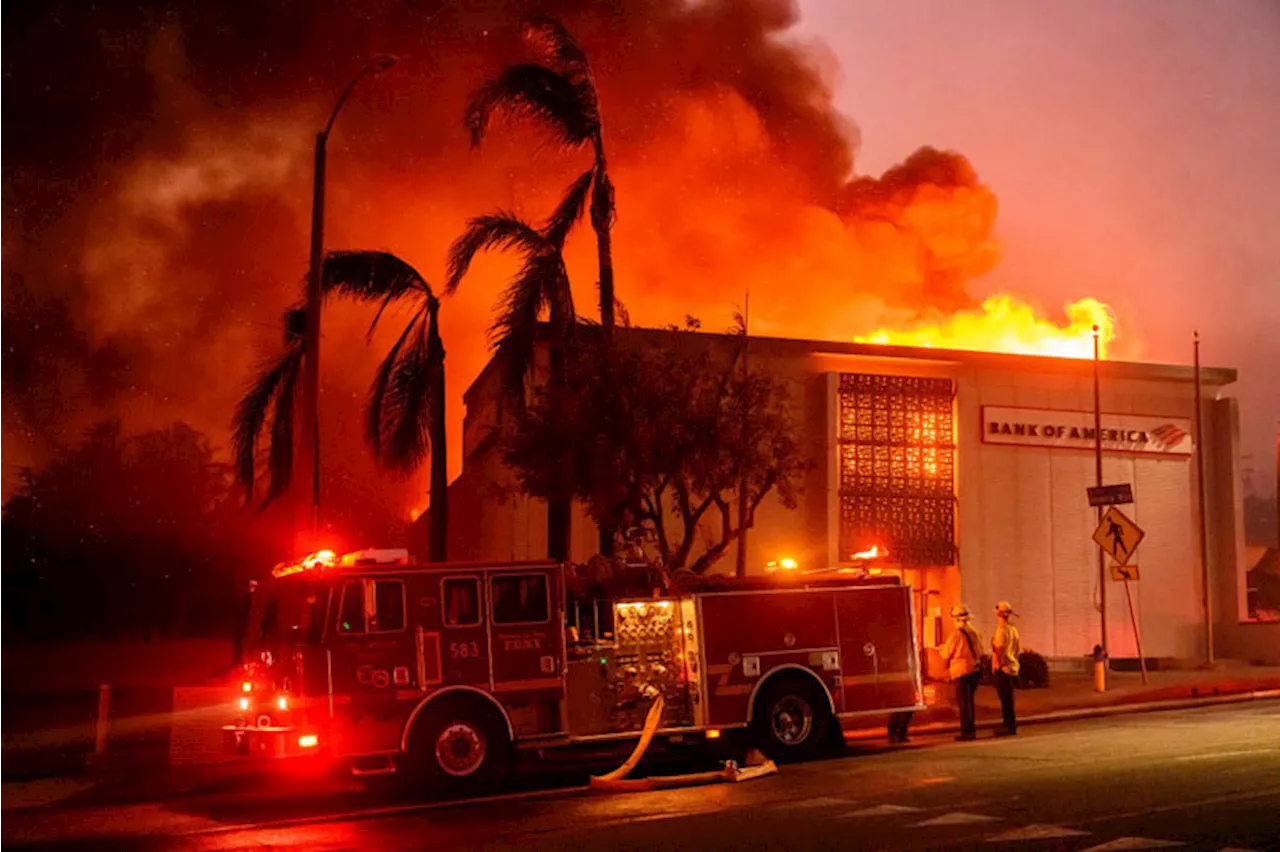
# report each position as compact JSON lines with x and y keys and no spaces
{"x":1033,"y":671}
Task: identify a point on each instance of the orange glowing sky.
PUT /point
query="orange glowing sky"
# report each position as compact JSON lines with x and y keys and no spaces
{"x":1092,"y":161}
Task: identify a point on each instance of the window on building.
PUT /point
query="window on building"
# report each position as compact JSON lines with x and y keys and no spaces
{"x":461,"y":602}
{"x":351,"y":608}
{"x":388,"y":606}
{"x":897,"y":467}
{"x":520,"y":599}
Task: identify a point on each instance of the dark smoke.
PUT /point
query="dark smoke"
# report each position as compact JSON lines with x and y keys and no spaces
{"x":157,"y":178}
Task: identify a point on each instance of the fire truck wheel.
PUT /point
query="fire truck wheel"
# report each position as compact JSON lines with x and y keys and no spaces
{"x":792,"y":720}
{"x":459,"y":746}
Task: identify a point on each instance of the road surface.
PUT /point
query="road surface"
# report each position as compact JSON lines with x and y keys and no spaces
{"x":1207,"y":778}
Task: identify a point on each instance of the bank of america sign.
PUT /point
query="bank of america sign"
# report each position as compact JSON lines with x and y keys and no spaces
{"x":1123,"y":433}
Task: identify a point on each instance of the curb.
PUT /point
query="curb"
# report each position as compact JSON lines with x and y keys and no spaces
{"x":1118,"y":709}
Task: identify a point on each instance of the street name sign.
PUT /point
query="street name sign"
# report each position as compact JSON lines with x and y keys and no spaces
{"x":1118,"y":536}
{"x":1111,"y":495}
{"x":1124,"y":572}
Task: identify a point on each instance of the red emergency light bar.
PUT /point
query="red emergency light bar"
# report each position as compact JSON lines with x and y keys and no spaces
{"x":323,"y":559}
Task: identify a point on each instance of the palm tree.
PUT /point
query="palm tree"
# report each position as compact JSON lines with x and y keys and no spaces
{"x":541,"y":284}
{"x":405,"y":416}
{"x":560,"y":93}
{"x":271,"y":395}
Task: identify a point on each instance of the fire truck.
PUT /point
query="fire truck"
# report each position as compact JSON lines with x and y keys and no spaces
{"x":443,"y":672}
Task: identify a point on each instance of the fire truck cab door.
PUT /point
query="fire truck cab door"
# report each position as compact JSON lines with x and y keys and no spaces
{"x":372,"y":663}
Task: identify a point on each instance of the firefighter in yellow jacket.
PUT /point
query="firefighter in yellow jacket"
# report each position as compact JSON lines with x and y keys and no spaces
{"x":1006,"y":645}
{"x":963,"y":655}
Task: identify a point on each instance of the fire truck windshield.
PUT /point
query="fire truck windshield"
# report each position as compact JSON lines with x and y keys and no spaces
{"x":290,"y":612}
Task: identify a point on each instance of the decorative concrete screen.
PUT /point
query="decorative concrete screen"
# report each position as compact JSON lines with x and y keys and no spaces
{"x":897,"y":467}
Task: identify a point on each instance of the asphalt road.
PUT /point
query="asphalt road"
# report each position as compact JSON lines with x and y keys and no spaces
{"x":1207,"y":778}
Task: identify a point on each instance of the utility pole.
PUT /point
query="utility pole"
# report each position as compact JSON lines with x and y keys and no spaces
{"x":309,"y":454}
{"x":1204,"y":521}
{"x":1097,"y":480}
{"x":741,"y":567}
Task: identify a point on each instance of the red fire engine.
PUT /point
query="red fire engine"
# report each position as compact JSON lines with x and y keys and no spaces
{"x":444,"y":670}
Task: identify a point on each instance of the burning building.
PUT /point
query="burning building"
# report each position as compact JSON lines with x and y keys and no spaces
{"x":970,"y":470}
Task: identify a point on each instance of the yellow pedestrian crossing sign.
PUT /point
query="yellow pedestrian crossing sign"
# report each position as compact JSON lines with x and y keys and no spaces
{"x":1124,"y":572}
{"x":1118,"y":536}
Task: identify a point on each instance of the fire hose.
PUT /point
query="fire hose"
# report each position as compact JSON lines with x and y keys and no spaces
{"x":618,"y":781}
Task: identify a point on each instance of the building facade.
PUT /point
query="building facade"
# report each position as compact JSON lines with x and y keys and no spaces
{"x":970,"y":469}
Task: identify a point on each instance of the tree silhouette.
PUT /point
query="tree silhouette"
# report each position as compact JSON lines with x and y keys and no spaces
{"x":270,"y":396}
{"x":541,"y":284}
{"x":405,"y":415}
{"x":560,"y":93}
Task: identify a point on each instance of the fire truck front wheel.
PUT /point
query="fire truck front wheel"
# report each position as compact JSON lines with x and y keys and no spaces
{"x":459,"y":745}
{"x":792,"y":719}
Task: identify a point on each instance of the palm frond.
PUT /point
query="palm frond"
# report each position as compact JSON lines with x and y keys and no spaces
{"x":556,"y":44}
{"x":369,"y":276}
{"x":536,"y":92}
{"x":569,"y":210}
{"x":295,"y":325}
{"x":406,"y":405}
{"x":378,"y":390}
{"x":542,"y":283}
{"x":250,"y":415}
{"x":492,"y":231}
{"x":280,"y":457}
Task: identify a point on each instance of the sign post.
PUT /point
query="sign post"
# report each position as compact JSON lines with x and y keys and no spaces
{"x":1119,"y":537}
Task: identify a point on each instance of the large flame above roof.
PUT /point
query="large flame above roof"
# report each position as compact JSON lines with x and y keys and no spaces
{"x":1004,"y":323}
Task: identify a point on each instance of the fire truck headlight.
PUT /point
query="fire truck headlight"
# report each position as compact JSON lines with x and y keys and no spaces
{"x":282,"y":702}
{"x":244,"y":704}
{"x":247,"y":686}
{"x":308,"y":741}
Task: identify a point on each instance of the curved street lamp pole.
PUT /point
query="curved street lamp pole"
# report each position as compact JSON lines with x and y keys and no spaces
{"x":310,"y":449}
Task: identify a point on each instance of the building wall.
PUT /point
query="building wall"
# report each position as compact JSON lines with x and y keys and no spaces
{"x":1026,"y":526}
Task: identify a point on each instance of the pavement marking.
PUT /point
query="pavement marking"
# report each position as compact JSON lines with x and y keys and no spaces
{"x":1124,"y":843}
{"x":1235,"y":849}
{"x":1037,"y":831}
{"x":820,"y":802}
{"x":1222,"y":754}
{"x":880,"y":810}
{"x":955,"y":818}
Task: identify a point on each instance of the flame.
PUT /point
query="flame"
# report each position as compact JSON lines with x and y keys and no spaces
{"x":872,"y":553}
{"x":1007,"y":324}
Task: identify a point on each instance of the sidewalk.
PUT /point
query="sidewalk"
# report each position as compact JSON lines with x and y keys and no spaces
{"x":1073,"y":695}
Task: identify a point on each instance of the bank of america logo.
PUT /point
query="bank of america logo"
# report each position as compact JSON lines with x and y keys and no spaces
{"x":1169,"y":436}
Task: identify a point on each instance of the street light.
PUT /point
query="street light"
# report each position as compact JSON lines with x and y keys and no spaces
{"x":311,"y":361}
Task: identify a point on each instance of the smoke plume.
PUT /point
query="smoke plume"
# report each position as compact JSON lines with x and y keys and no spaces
{"x":157,"y":180}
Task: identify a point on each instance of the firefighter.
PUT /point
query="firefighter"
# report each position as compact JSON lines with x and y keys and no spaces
{"x":1006,"y":645}
{"x":962,"y":656}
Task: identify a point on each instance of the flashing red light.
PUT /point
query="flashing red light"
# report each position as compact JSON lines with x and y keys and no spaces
{"x":308,"y":741}
{"x":282,"y":702}
{"x":247,"y":686}
{"x":244,"y":704}
{"x":713,"y":734}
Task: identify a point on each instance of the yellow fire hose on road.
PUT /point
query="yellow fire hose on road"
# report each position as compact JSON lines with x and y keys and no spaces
{"x":618,"y":781}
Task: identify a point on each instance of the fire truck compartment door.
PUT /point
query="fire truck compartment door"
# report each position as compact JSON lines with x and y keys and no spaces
{"x":526,"y":628}
{"x":877,"y":651}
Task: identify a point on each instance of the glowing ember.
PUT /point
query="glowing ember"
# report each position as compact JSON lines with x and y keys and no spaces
{"x":1007,"y":324}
